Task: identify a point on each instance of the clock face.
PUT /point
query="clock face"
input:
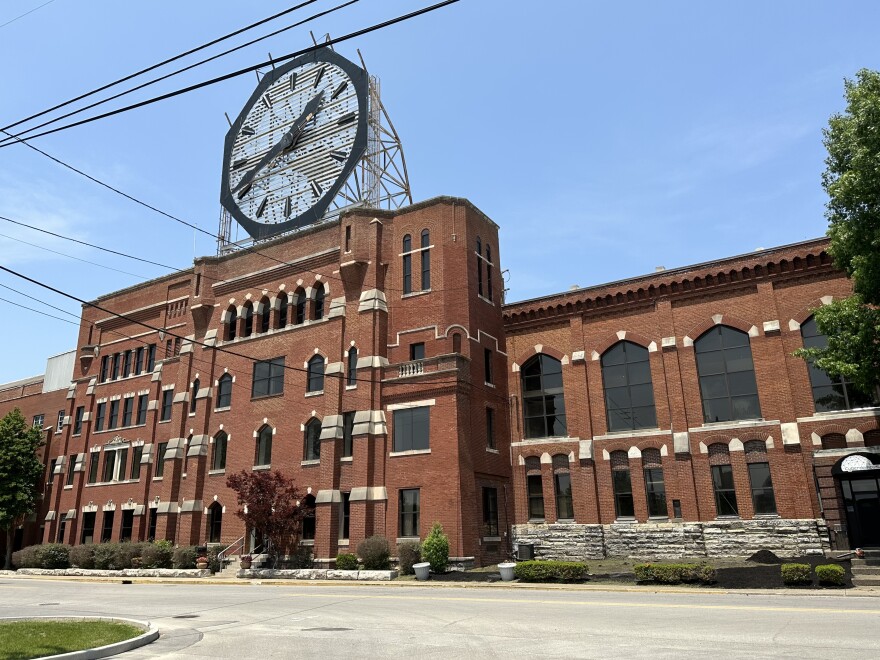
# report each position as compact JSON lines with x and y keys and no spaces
{"x":295,"y":143}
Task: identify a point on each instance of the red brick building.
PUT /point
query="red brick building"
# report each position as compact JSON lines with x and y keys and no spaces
{"x":371,"y":360}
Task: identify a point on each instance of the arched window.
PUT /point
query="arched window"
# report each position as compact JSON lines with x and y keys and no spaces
{"x":218,"y":460}
{"x":215,"y":522}
{"x":722,"y":480}
{"x":830,"y":393}
{"x":426,"y":260}
{"x":282,"y":309}
{"x":488,"y":271}
{"x":562,"y":485}
{"x":479,"y":266}
{"x":312,"y":445}
{"x":727,"y":375}
{"x":629,"y":394}
{"x":655,"y":489}
{"x":264,"y":446}
{"x":319,"y":302}
{"x":534,"y":488}
{"x":247,"y":314}
{"x":352,"y":366}
{"x":308,"y":520}
{"x":231,"y":324}
{"x":407,"y":264}
{"x":265,"y":314}
{"x":192,"y":396}
{"x":622,"y":484}
{"x":315,"y":374}
{"x":300,"y":302}
{"x":543,"y":398}
{"x":224,"y":391}
{"x":763,"y":498}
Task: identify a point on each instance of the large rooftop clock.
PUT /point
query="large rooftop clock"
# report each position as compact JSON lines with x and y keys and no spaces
{"x":295,"y":143}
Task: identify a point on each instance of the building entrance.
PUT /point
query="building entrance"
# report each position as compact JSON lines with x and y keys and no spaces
{"x":859,"y":476}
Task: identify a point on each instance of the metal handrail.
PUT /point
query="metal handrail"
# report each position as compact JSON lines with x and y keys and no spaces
{"x":225,"y":552}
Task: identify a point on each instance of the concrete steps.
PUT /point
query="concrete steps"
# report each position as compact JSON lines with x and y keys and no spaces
{"x":866,"y":572}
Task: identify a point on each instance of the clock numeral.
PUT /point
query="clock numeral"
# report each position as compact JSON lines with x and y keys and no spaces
{"x":241,"y":162}
{"x":338,"y":155}
{"x":293,"y":81}
{"x":262,"y":207}
{"x":346,"y":119}
{"x":244,"y":191}
{"x":266,"y":101}
{"x":339,"y":90}
{"x":247,"y":130}
{"x":287,"y":207}
{"x":316,"y":188}
{"x":319,"y":76}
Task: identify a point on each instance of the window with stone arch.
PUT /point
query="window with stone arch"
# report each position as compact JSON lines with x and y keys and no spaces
{"x":543,"y":398}
{"x":312,"y":440}
{"x":224,"y":391}
{"x":300,"y":301}
{"x":655,"y":487}
{"x":351,"y":378}
{"x":426,"y":260}
{"x":629,"y":391}
{"x":479,"y":266}
{"x":282,"y":309}
{"x":562,"y":486}
{"x":534,"y":488}
{"x":830,"y":393}
{"x":231,"y":323}
{"x":406,"y":248}
{"x":722,"y":480}
{"x":621,"y":482}
{"x":265,"y":314}
{"x":218,"y":459}
{"x":193,"y":395}
{"x":263,"y":454}
{"x":318,"y":305}
{"x":727,"y":375}
{"x":763,"y":497}
{"x":247,"y":315}
{"x":315,"y":374}
{"x":308,"y":520}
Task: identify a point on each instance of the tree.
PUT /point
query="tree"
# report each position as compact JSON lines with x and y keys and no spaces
{"x":269,"y":503}
{"x":20,"y":474}
{"x":852,"y":181}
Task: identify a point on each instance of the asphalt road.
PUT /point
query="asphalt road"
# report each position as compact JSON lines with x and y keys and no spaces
{"x":290,"y":621}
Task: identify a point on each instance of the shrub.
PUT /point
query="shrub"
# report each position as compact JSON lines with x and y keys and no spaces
{"x":375,"y":553}
{"x":56,"y":555}
{"x":831,"y":574}
{"x":408,"y":553}
{"x":83,"y":556}
{"x":345,"y":561}
{"x":674,"y":573}
{"x":157,"y":555}
{"x":29,"y":557}
{"x":301,"y":558}
{"x":184,"y":557}
{"x":128,"y":555}
{"x":213,"y":561}
{"x":797,"y":574}
{"x":550,"y":571}
{"x":435,"y":549}
{"x":107,"y":557}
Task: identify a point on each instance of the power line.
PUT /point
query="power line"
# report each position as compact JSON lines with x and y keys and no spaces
{"x":271,"y":62}
{"x":31,"y":309}
{"x":26,"y":13}
{"x":174,"y":73}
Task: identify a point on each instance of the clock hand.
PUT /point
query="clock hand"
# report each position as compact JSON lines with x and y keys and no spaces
{"x":285,"y":143}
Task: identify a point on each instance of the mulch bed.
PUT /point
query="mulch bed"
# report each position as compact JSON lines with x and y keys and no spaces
{"x":769,"y":576}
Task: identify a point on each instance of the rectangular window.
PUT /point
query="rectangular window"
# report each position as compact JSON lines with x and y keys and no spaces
{"x":490,"y":428}
{"x":219,"y":461}
{"x":109,"y":465}
{"x":127,"y":525}
{"x":38,"y":421}
{"x":61,"y":529}
{"x":127,"y":408}
{"x":344,"y":515}
{"x":151,"y":525}
{"x":71,"y":466}
{"x":139,"y":360}
{"x":107,"y":527}
{"x":407,"y":273}
{"x":167,"y":401}
{"x":347,"y":434}
{"x":426,"y":270}
{"x":105,"y":368}
{"x":409,"y":512}
{"x":417,"y":351}
{"x":60,"y":423}
{"x":160,"y":459}
{"x":88,"y":528}
{"x":763,"y":498}
{"x":94,"y":457}
{"x":50,"y":478}
{"x":535,"y":489}
{"x":487,"y":365}
{"x":78,"y":420}
{"x":490,"y":512}
{"x":137,"y":454}
{"x":126,"y":364}
{"x":114,"y":414}
{"x":143,"y":400}
{"x":564,"y":507}
{"x":725,"y":493}
{"x":268,"y":378}
{"x":623,"y":496}
{"x":655,"y":490}
{"x":412,"y":429}
{"x":99,"y":416}
{"x":151,"y":357}
{"x":121,"y":460}
{"x":115,"y":368}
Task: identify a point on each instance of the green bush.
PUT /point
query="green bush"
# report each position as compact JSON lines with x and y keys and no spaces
{"x":184,"y":557}
{"x":128,"y":555}
{"x":345,"y":561}
{"x":83,"y":556}
{"x":408,"y":553}
{"x":29,"y":557}
{"x":157,"y":555}
{"x":831,"y":574}
{"x":674,"y":573}
{"x":797,"y":574}
{"x":213,"y":561}
{"x":435,"y":549}
{"x":375,"y":553}
{"x":550,"y":571}
{"x":56,"y":555}
{"x":302,"y":557}
{"x":107,"y":557}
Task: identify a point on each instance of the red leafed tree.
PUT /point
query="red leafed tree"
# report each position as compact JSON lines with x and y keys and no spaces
{"x":268,"y":503}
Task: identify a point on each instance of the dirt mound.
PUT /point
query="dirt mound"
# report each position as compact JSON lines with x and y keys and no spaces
{"x":764,"y":557}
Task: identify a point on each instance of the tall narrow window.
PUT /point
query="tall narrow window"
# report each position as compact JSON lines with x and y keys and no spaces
{"x":115,"y":367}
{"x":107,"y":527}
{"x":224,"y":391}
{"x":655,"y":489}
{"x":94,"y":458}
{"x":352,"y":367}
{"x":407,"y":264}
{"x":71,"y":469}
{"x":247,"y":314}
{"x":562,"y":484}
{"x":487,"y":365}
{"x":109,"y":465}
{"x":319,"y":301}
{"x":193,"y":395}
{"x":167,"y":402}
{"x":347,"y":434}
{"x":479,"y":266}
{"x":139,"y":361}
{"x":722,"y":480}
{"x":126,"y":364}
{"x":143,"y":402}
{"x":308,"y":520}
{"x":127,"y":410}
{"x":830,"y":393}
{"x":60,"y":423}
{"x":231,"y":324}
{"x":312,"y":444}
{"x":629,"y":394}
{"x":490,"y":512}
{"x":622,"y":484}
{"x":315,"y":374}
{"x":489,"y":271}
{"x":348,"y":238}
{"x":264,"y":446}
{"x":345,"y":515}
{"x":114,"y":414}
{"x":99,"y":416}
{"x":727,"y":375}
{"x":410,"y":506}
{"x":78,"y":420}
{"x":127,"y":525}
{"x":490,"y":428}
{"x":282,"y":309}
{"x":300,"y":301}
{"x":265,"y":315}
{"x":151,"y":357}
{"x":534,"y":488}
{"x":417,"y":351}
{"x":215,"y":522}
{"x":105,"y":368}
{"x":218,"y":460}
{"x":160,"y":459}
{"x":456,"y":342}
{"x":763,"y":498}
{"x":137,"y":453}
{"x":426,"y":260}
{"x":88,"y":528}
{"x":543,"y":397}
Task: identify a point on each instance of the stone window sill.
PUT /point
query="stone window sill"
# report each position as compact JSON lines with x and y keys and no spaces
{"x":766,"y":516}
{"x":308,"y":542}
{"x":409,"y":452}
{"x":223,"y":409}
{"x":627,"y":520}
{"x":346,"y":459}
{"x":407,"y":539}
{"x":351,"y":387}
{"x":415,"y":293}
{"x":216,"y":472}
{"x":343,"y":543}
{"x":658,"y":518}
{"x":537,"y":521}
{"x":485,"y":299}
{"x":164,"y":421}
{"x":318,"y":393}
{"x":157,"y":478}
{"x":492,"y":450}
{"x":727,"y":518}
{"x":70,"y":487}
{"x":261,"y":468}
{"x":491,"y":539}
{"x":488,"y":384}
{"x":117,"y":428}
{"x":315,"y":461}
{"x":565,"y":521}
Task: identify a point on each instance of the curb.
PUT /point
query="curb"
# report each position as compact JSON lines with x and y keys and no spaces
{"x":150,"y":634}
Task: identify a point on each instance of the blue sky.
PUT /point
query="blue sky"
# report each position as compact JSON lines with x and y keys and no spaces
{"x":605,"y":138}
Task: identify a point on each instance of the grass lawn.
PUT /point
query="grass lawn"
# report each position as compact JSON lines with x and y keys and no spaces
{"x":20,"y":640}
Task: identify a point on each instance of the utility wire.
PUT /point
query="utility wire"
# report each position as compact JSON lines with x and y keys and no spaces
{"x":178,"y":71}
{"x":26,"y":13}
{"x":31,"y":309}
